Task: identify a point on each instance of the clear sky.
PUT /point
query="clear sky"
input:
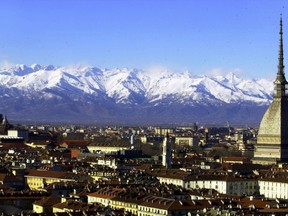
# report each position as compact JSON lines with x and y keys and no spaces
{"x":202,"y":36}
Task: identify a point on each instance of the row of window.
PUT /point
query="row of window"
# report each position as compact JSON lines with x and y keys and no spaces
{"x":152,"y":210}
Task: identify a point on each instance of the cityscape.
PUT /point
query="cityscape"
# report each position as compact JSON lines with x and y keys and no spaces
{"x":80,"y":140}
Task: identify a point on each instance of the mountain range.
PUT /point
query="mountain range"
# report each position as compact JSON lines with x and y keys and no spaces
{"x":81,"y":94}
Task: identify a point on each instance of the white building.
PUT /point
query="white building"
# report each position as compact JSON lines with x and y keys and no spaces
{"x":167,"y":152}
{"x":274,"y":187}
{"x":224,"y":183}
{"x":18,"y":133}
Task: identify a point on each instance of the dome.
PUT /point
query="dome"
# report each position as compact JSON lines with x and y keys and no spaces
{"x":272,"y":139}
{"x":271,"y":121}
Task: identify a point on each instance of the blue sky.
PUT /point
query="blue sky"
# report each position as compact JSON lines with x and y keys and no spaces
{"x":202,"y":36}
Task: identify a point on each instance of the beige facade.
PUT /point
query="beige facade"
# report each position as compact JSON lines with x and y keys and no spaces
{"x":129,"y":206}
{"x":38,"y":209}
{"x":104,"y":196}
{"x":37,"y":180}
{"x":151,"y":211}
{"x":99,"y":198}
{"x":186,"y":141}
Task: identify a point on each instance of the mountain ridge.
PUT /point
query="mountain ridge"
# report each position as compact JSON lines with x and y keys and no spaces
{"x":81,"y":94}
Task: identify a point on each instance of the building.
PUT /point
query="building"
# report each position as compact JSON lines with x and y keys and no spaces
{"x":187,"y":141}
{"x":156,"y":206}
{"x":167,"y":152}
{"x":274,"y":183}
{"x":272,"y":140}
{"x":103,"y":196}
{"x":37,"y":179}
{"x":274,"y":187}
{"x":171,"y":176}
{"x":19,"y":133}
{"x":45,"y":204}
{"x":163,"y":131}
{"x":128,"y":201}
{"x":108,"y":147}
{"x":72,"y":207}
{"x":224,"y":183}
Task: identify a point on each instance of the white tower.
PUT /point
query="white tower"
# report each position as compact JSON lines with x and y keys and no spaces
{"x":132,"y":141}
{"x":167,"y":152}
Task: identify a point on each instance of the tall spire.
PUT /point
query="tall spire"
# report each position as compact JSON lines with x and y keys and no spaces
{"x":280,"y":79}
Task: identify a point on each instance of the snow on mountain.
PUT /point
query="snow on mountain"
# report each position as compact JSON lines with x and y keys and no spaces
{"x":137,"y":86}
{"x":53,"y":92}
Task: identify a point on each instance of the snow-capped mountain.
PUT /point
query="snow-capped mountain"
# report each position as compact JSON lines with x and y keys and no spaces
{"x":41,"y":93}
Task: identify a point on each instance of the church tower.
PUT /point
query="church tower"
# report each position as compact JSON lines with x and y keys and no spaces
{"x":272,"y":140}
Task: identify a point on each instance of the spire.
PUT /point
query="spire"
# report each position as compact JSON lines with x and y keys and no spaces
{"x":280,"y":79}
{"x":281,"y":55}
{"x":4,"y":121}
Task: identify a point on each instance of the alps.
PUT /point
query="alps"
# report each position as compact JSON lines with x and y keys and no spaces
{"x":129,"y":96}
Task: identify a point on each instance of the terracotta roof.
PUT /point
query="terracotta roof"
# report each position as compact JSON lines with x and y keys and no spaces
{"x":45,"y":174}
{"x":107,"y":192}
{"x":48,"y":201}
{"x":169,"y":173}
{"x":174,"y":205}
{"x":79,"y":143}
{"x":2,"y":176}
{"x":76,"y":206}
{"x":275,"y":176}
{"x":143,"y":167}
{"x":104,"y":196}
{"x":258,"y":203}
{"x":274,"y":210}
{"x":82,"y":193}
{"x":130,"y":197}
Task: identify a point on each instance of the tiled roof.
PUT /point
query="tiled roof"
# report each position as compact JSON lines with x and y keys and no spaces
{"x":258,"y":203}
{"x":169,"y":173}
{"x":77,"y":206}
{"x":79,"y":143}
{"x":175,"y":205}
{"x":48,"y":201}
{"x":220,"y":177}
{"x":45,"y":174}
{"x":2,"y":177}
{"x":130,"y":197}
{"x":107,"y":192}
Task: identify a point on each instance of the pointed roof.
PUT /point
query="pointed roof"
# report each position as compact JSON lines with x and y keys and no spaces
{"x":280,"y":74}
{"x":280,"y":81}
